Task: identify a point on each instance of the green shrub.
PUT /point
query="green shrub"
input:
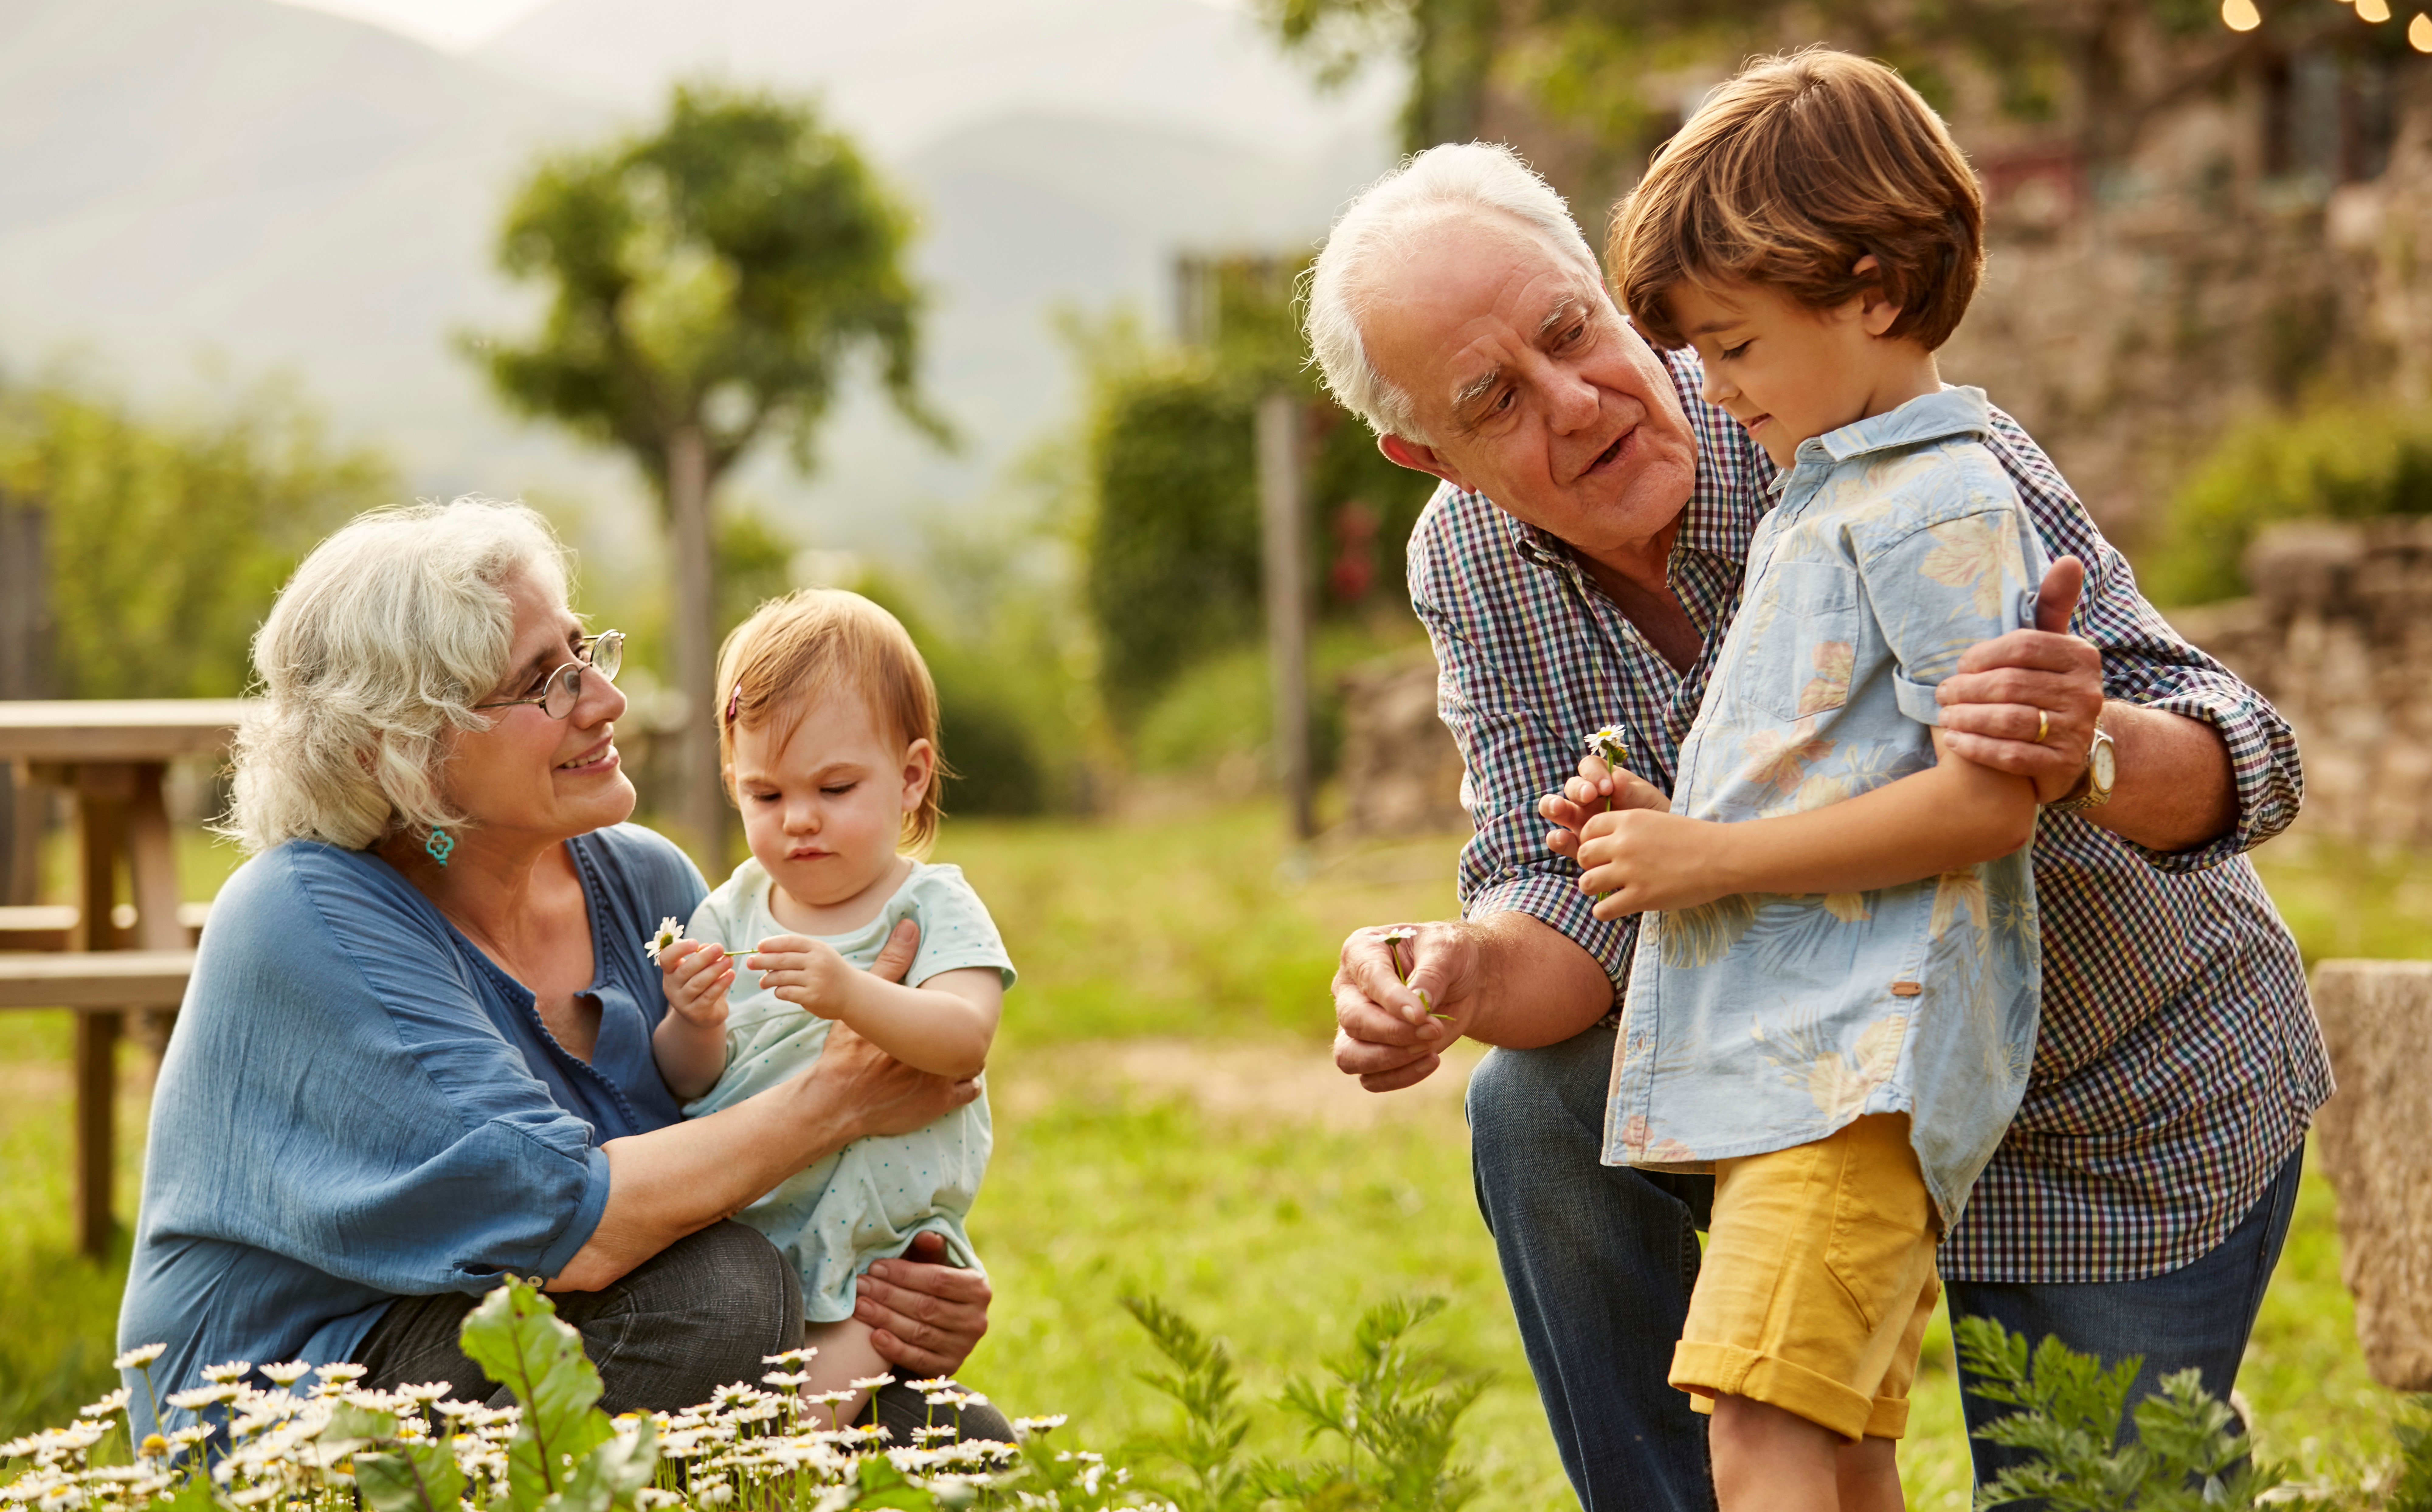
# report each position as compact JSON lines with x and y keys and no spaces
{"x":2186,"y":1455}
{"x":168,"y":539}
{"x":2335,"y":463}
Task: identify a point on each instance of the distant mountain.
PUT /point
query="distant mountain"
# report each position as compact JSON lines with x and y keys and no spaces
{"x":277,"y":185}
{"x":912,"y":71}
{"x":290,"y":188}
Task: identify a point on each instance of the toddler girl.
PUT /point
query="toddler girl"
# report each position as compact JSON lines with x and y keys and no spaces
{"x":828,"y":741}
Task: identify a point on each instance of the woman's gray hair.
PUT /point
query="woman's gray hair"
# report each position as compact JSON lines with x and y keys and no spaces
{"x":381,"y":642}
{"x":1458,"y":178}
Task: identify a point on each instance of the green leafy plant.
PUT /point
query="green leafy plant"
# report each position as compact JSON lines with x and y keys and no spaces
{"x":1207,"y":1449}
{"x":2186,"y":1455}
{"x":1395,"y":1412}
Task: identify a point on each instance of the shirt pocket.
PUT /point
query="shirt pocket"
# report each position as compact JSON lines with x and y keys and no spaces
{"x":1805,"y":641}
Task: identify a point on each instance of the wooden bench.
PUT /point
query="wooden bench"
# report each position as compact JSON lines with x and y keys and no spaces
{"x":102,"y":987}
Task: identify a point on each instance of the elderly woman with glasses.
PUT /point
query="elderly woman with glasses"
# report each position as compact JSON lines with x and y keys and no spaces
{"x":415,"y":1056}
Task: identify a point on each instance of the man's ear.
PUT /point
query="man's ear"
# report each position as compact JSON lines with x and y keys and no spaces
{"x":1876,"y":308}
{"x":1419,"y":458}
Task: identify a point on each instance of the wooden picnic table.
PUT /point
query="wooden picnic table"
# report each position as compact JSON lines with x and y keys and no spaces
{"x":112,"y":755}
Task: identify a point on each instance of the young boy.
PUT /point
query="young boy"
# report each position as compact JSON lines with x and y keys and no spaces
{"x":1835,"y":1009}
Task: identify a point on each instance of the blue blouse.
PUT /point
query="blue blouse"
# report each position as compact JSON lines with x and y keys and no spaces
{"x":358,"y":1105}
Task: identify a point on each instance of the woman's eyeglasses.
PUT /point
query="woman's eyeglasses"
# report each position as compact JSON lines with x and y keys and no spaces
{"x":562,"y":690}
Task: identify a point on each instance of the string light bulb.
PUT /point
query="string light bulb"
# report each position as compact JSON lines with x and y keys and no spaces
{"x":2373,"y":11}
{"x":2240,"y":15}
{"x":2419,"y":33}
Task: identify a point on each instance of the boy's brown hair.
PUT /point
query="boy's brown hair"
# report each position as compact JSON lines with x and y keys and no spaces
{"x":1790,"y":173}
{"x":819,"y":641}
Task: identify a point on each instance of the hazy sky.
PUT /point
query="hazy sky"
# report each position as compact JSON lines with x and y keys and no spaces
{"x":450,"y":24}
{"x":454,"y":25}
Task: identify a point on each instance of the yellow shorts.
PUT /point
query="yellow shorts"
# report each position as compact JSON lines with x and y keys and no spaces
{"x":1818,"y":1281}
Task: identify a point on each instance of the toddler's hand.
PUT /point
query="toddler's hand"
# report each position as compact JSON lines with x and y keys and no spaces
{"x":696,"y":974}
{"x":805,"y":972}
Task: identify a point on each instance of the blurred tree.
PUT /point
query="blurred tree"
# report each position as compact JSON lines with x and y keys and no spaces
{"x":168,"y":540}
{"x":709,"y":280}
{"x":2102,"y":68}
{"x":1171,"y":537}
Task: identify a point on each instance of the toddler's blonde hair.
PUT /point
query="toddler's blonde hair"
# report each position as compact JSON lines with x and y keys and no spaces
{"x":819,"y":641}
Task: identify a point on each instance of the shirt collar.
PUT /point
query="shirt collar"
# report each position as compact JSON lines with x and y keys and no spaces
{"x":1954,"y":411}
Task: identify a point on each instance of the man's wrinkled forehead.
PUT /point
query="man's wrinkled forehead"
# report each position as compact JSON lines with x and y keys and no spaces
{"x":1516,"y":284}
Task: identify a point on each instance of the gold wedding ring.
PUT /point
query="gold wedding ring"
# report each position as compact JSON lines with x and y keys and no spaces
{"x":2043,"y":726}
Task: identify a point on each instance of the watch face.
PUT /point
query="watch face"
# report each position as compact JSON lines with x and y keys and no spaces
{"x":2102,"y":759}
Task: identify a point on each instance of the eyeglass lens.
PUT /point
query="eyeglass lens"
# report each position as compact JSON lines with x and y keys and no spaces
{"x":565,"y":683}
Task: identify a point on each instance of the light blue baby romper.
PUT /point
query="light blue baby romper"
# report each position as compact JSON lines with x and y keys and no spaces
{"x":1762,"y":1021}
{"x":865,"y":1201}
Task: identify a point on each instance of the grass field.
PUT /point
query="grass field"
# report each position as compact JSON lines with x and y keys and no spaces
{"x":1168,"y":1124}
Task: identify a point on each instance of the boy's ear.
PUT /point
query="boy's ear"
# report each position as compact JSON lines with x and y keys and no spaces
{"x":1877,"y":309}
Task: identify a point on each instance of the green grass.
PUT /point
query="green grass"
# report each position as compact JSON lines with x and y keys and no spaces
{"x":1165,"y":960}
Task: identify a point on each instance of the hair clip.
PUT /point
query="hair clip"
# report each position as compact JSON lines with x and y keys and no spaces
{"x":733,"y":702}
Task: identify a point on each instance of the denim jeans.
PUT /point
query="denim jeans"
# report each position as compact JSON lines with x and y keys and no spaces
{"x":696,"y":1315}
{"x":1600,"y":1261}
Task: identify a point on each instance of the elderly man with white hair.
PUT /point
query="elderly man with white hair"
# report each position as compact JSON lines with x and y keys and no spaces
{"x":1577,"y":570}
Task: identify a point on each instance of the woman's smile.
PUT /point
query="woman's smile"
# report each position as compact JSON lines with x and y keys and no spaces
{"x":596,"y":759}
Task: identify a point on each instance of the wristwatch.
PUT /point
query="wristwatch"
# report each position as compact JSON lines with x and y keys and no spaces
{"x":2093,"y":790}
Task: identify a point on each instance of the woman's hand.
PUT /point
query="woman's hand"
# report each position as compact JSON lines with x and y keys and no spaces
{"x":926,"y":1315}
{"x":878,"y":1093}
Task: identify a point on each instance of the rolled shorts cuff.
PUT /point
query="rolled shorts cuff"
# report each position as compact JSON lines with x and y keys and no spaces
{"x":1729,"y":1370}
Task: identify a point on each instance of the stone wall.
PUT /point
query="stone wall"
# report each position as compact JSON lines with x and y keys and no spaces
{"x":2338,"y":636}
{"x":1401,"y":771}
{"x":2377,"y":1020}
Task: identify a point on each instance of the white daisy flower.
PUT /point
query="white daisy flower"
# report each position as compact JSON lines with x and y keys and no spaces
{"x":665,"y":936}
{"x":1610,"y":746}
{"x":232,"y":1371}
{"x":287,"y":1372}
{"x":136,"y":1359}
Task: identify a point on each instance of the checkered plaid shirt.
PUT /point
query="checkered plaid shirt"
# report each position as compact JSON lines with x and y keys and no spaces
{"x":2178,"y":1062}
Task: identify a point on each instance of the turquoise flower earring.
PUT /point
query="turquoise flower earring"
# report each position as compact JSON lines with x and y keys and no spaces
{"x":440,"y":846}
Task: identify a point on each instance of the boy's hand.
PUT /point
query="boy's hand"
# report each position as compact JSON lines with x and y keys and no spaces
{"x":1643,"y":858}
{"x":1595,"y":790}
{"x":805,"y":972}
{"x":696,"y":974}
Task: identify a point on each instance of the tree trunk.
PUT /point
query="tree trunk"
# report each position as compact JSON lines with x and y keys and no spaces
{"x":700,"y":809}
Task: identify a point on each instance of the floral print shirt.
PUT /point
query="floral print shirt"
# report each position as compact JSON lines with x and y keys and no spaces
{"x":1762,"y":1021}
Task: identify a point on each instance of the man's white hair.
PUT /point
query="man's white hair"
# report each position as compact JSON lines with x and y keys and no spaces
{"x":387,"y":635}
{"x":1456,"y":179}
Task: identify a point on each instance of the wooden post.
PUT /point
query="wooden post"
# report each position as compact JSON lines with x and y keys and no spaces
{"x":699,"y":806}
{"x":25,"y":673}
{"x":1284,"y":532}
{"x":103,"y":794}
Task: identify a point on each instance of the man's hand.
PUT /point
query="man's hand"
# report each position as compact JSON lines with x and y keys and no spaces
{"x":1990,"y":704}
{"x":926,"y":1316}
{"x":1595,"y":790}
{"x":1402,"y":994}
{"x":1637,"y":860}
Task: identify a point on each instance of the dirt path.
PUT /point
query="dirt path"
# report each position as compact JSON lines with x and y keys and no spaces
{"x":1270,"y":1080}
